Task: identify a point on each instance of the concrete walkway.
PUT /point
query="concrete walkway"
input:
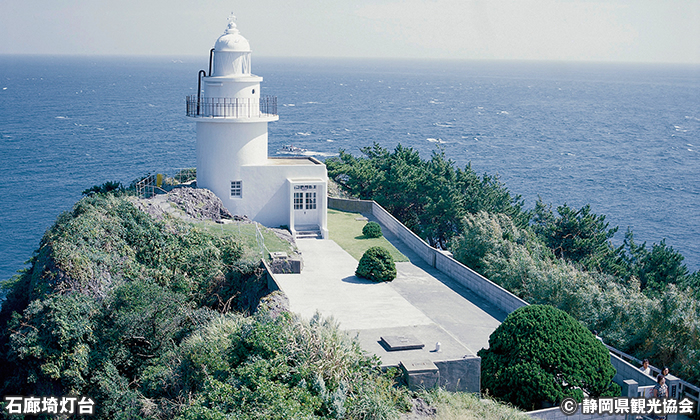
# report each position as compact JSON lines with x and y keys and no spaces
{"x":328,"y":285}
{"x":454,"y":307}
{"x":421,"y":302}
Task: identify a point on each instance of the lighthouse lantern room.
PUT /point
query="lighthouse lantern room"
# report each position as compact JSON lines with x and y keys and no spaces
{"x":232,"y":153}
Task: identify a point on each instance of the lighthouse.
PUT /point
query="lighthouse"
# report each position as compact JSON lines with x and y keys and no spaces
{"x":232,"y":146}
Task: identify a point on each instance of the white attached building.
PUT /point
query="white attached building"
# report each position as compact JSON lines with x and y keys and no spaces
{"x":232,"y":158}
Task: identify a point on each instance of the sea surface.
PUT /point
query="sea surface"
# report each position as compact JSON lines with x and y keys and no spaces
{"x":624,"y":138}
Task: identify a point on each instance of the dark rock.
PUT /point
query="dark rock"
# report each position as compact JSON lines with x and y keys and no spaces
{"x":200,"y":204}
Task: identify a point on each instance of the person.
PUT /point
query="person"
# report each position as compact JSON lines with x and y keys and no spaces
{"x":645,"y":367}
{"x":660,"y":391}
{"x":665,"y":371}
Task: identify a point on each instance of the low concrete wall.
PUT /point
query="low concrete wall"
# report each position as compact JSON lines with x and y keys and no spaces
{"x":413,"y":241}
{"x":460,"y":375}
{"x":479,"y":284}
{"x":485,"y":288}
{"x":555,"y":413}
{"x":272,"y":283}
{"x":354,"y":206}
{"x":626,"y":370}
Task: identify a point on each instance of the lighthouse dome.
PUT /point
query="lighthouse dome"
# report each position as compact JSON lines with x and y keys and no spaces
{"x":232,"y":40}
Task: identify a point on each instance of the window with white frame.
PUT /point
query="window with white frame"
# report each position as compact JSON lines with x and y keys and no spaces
{"x":310,"y":201}
{"x":298,"y":201}
{"x":236,"y":189}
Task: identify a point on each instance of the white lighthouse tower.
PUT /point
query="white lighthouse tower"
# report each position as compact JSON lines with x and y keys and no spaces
{"x":232,"y":152}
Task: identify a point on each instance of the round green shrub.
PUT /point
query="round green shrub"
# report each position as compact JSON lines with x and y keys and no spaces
{"x":376,"y":264}
{"x":540,"y":353}
{"x":372,"y":230}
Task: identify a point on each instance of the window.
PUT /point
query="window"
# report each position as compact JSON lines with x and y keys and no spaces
{"x":236,"y":189}
{"x":310,"y":201}
{"x":298,"y":201}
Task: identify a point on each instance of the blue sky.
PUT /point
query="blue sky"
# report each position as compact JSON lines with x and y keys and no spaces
{"x":613,"y":30}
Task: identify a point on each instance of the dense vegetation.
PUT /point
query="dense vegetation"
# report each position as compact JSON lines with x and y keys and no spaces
{"x":147,"y":318}
{"x":541,"y":354}
{"x":640,"y":299}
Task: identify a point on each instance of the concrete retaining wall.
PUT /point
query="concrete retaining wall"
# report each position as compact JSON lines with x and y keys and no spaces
{"x":272,"y":283}
{"x":485,"y":288}
{"x":462,"y":375}
{"x":354,"y":206}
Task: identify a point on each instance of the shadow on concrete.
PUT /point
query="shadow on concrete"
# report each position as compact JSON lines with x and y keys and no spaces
{"x":458,"y":288}
{"x":357,"y":280}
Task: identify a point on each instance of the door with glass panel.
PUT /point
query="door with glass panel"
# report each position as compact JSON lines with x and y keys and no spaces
{"x":305,"y":205}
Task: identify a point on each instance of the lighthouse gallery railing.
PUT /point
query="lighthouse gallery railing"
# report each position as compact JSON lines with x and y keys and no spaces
{"x":232,"y":107}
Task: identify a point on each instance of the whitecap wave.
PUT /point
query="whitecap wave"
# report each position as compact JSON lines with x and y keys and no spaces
{"x":324,"y":154}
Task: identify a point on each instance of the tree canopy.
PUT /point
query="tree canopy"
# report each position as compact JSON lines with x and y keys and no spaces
{"x":540,"y":353}
{"x":429,"y":196}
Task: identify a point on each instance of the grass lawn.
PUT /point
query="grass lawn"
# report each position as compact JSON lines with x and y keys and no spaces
{"x":347,"y":232}
{"x":246,"y":234}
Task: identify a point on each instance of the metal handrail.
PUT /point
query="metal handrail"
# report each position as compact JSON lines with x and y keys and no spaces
{"x":266,"y":106}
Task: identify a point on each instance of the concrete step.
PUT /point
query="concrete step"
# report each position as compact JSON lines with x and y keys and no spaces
{"x":309,"y":234}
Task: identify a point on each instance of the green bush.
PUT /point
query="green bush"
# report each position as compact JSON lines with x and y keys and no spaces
{"x":372,"y":230}
{"x":376,"y":264}
{"x":114,"y":187}
{"x":540,"y":354}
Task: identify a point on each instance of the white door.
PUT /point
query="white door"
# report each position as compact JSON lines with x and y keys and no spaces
{"x":305,"y":206}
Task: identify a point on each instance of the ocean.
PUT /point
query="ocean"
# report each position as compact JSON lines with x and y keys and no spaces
{"x":624,"y":138}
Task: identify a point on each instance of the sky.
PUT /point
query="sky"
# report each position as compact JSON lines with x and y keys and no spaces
{"x":657,"y":31}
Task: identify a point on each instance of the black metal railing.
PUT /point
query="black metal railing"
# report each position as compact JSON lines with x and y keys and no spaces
{"x":266,"y":106}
